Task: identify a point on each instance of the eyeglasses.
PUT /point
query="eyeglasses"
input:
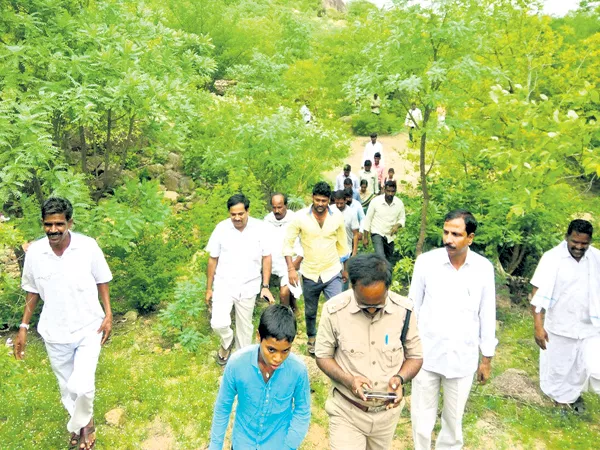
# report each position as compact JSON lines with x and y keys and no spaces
{"x":375,"y":307}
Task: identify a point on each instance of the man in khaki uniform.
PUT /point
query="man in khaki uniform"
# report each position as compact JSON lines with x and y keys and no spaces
{"x":359,"y":347}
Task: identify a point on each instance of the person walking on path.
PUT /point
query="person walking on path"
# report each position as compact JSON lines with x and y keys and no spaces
{"x":413,"y":119}
{"x":376,"y":104}
{"x":455,"y":301}
{"x":566,"y":309}
{"x":272,"y":389}
{"x":322,"y":235}
{"x":238,"y":248}
{"x":371,"y":148}
{"x":379,"y":169}
{"x":68,"y":272}
{"x":365,"y":195}
{"x":346,"y":173}
{"x":361,"y":347}
{"x":384,"y":218}
{"x":371,"y":178}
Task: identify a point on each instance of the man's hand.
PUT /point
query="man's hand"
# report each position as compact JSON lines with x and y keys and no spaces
{"x":266,"y":294}
{"x":344,"y":276}
{"x":395,"y":229}
{"x":208,"y":297}
{"x":541,"y":337}
{"x":365,"y":240}
{"x":395,"y":385}
{"x":356,"y":386}
{"x":293,"y":276}
{"x":485,"y":370}
{"x":20,"y":343}
{"x":105,"y":328}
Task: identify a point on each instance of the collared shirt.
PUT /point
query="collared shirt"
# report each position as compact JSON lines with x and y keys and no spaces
{"x":351,"y":223}
{"x":416,"y":115}
{"x":456,"y":311}
{"x":372,"y":181}
{"x":380,"y":170}
{"x":277,"y":229}
{"x":570,"y":315}
{"x":369,"y":153}
{"x":381,"y":217}
{"x":240,"y":256}
{"x":360,"y":213}
{"x":364,"y":345}
{"x":269,"y":416}
{"x":339,"y":182}
{"x":322,"y":246}
{"x":68,"y":286}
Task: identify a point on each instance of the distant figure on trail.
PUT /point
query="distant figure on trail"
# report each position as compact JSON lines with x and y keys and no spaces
{"x":371,"y":178}
{"x":305,"y":113}
{"x":346,"y":173}
{"x":365,"y":195}
{"x":384,"y":218}
{"x":272,"y":389}
{"x":414,"y":117}
{"x":379,"y":169}
{"x":390,"y":175}
{"x":375,"y":104}
{"x":349,"y":185}
{"x":278,"y":219}
{"x":371,"y":148}
{"x":351,"y":223}
{"x":322,"y":235}
{"x":68,"y":272}
{"x":566,"y":309}
{"x":360,"y":347}
{"x":454,"y":297}
{"x":441,"y":115}
{"x":238,"y":247}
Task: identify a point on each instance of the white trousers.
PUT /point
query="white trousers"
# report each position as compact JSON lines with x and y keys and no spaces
{"x":569,"y":367}
{"x":424,"y":405}
{"x":75,"y":368}
{"x":220,"y":320}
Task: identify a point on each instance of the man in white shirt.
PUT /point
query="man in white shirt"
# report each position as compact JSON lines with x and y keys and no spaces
{"x":68,"y":272}
{"x":350,"y":221}
{"x":567,"y":292}
{"x":371,"y":148}
{"x":356,"y":206}
{"x":384,"y":218}
{"x":346,"y":173}
{"x":371,"y":177}
{"x":278,"y":220}
{"x":413,"y":118}
{"x":455,"y":301}
{"x":238,"y":248}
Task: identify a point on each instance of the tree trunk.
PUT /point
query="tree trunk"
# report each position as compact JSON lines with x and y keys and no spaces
{"x":107,"y":146}
{"x":83,"y":149}
{"x":424,"y":188}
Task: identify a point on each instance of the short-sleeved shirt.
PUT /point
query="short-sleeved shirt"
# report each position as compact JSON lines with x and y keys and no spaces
{"x":367,"y":346}
{"x":240,"y":256}
{"x":68,"y":286}
{"x":372,"y":180}
{"x":351,"y":223}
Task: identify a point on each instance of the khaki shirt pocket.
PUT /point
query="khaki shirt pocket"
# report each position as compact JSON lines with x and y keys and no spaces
{"x":354,"y":353}
{"x":393,"y":355}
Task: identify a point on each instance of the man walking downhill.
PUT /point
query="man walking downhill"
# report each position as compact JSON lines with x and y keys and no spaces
{"x":566,"y":308}
{"x":413,"y":119}
{"x":68,"y":272}
{"x":323,"y":238}
{"x":238,"y":247}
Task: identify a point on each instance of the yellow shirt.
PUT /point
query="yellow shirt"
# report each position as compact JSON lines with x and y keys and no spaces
{"x":323,"y":246}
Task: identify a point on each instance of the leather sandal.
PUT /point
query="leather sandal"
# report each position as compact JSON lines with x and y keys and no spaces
{"x":74,"y":441}
{"x":222,"y":360}
{"x":87,"y":434}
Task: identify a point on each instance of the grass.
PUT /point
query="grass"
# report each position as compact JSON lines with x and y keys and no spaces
{"x":167,"y":395}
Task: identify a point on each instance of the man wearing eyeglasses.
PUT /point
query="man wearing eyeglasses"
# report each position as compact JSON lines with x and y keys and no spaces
{"x":359,"y":347}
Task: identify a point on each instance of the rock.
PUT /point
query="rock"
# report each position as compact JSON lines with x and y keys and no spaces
{"x":186,"y":185}
{"x":515,"y":383}
{"x":155,"y":170}
{"x":346,"y":119}
{"x":175,"y":161}
{"x":171,"y":180}
{"x":222,"y":85}
{"x":171,"y":195}
{"x":115,"y":417}
{"x":131,"y":316}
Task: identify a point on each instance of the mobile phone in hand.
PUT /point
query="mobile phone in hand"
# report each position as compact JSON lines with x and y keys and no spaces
{"x":380,"y":395}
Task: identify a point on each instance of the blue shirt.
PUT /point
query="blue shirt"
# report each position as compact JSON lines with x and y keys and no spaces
{"x":269,"y":416}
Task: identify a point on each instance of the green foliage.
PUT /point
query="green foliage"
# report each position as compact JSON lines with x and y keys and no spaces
{"x":366,"y":123}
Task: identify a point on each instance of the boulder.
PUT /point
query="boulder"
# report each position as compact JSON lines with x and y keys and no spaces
{"x":175,"y":161}
{"x":171,"y":195}
{"x":515,"y":383}
{"x":131,"y":316}
{"x":155,"y":170}
{"x":171,"y":180}
{"x":115,"y":417}
{"x":186,"y":185}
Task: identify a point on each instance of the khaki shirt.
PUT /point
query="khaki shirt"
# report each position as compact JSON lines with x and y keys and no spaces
{"x":367,"y":346}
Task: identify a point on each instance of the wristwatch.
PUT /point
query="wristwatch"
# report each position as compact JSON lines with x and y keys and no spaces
{"x":401,"y":378}
{"x":24,"y":325}
{"x":265,"y":286}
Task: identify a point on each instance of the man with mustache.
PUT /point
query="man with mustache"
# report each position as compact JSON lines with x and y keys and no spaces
{"x":68,"y":272}
{"x":566,"y":308}
{"x":322,"y":235}
{"x":455,"y":301}
{"x":238,"y":247}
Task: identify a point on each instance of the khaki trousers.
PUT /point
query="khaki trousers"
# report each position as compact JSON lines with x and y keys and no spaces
{"x":353,"y":429}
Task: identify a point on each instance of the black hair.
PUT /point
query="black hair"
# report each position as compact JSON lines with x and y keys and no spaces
{"x":391,"y":169}
{"x":348,"y":192}
{"x":391,"y":183}
{"x":279,"y":193}
{"x":470,"y":221}
{"x":377,"y":155}
{"x":322,"y":188}
{"x":347,"y":167}
{"x":339,"y":194}
{"x":580,"y":226}
{"x":57,"y":205}
{"x":364,"y":182}
{"x":368,"y":162}
{"x":369,"y":268}
{"x":279,"y":322}
{"x":348,"y":181}
{"x":236,"y":199}
{"x":373,"y":135}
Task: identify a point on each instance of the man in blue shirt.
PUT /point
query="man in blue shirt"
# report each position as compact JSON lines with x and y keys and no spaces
{"x":271,"y":384}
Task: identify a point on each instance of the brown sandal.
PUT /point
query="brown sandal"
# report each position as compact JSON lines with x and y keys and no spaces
{"x":74,"y":441}
{"x":88,"y":433}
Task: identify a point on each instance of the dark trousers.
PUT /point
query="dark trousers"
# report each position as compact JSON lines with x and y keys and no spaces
{"x":312,"y":291}
{"x":411,"y":131}
{"x":383,"y":247}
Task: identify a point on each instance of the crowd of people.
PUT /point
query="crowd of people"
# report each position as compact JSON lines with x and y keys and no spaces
{"x":370,"y":342}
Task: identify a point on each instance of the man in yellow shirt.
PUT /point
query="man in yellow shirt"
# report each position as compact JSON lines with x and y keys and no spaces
{"x":323,"y":239}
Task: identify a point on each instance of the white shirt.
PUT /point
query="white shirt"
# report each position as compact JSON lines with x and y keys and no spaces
{"x":570,"y":315}
{"x":381,"y":217}
{"x":416,"y":115}
{"x":372,"y":180}
{"x":68,"y":286}
{"x":305,"y":112}
{"x":369,"y":153}
{"x":276,"y":230}
{"x":240,"y":256}
{"x":456,"y":311}
{"x":351,"y":223}
{"x":339,"y":182}
{"x":360,"y":214}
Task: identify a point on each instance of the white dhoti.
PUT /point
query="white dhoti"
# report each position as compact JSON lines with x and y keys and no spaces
{"x":569,"y":367}
{"x":75,"y":368}
{"x":424,"y":405}
{"x":220,"y":320}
